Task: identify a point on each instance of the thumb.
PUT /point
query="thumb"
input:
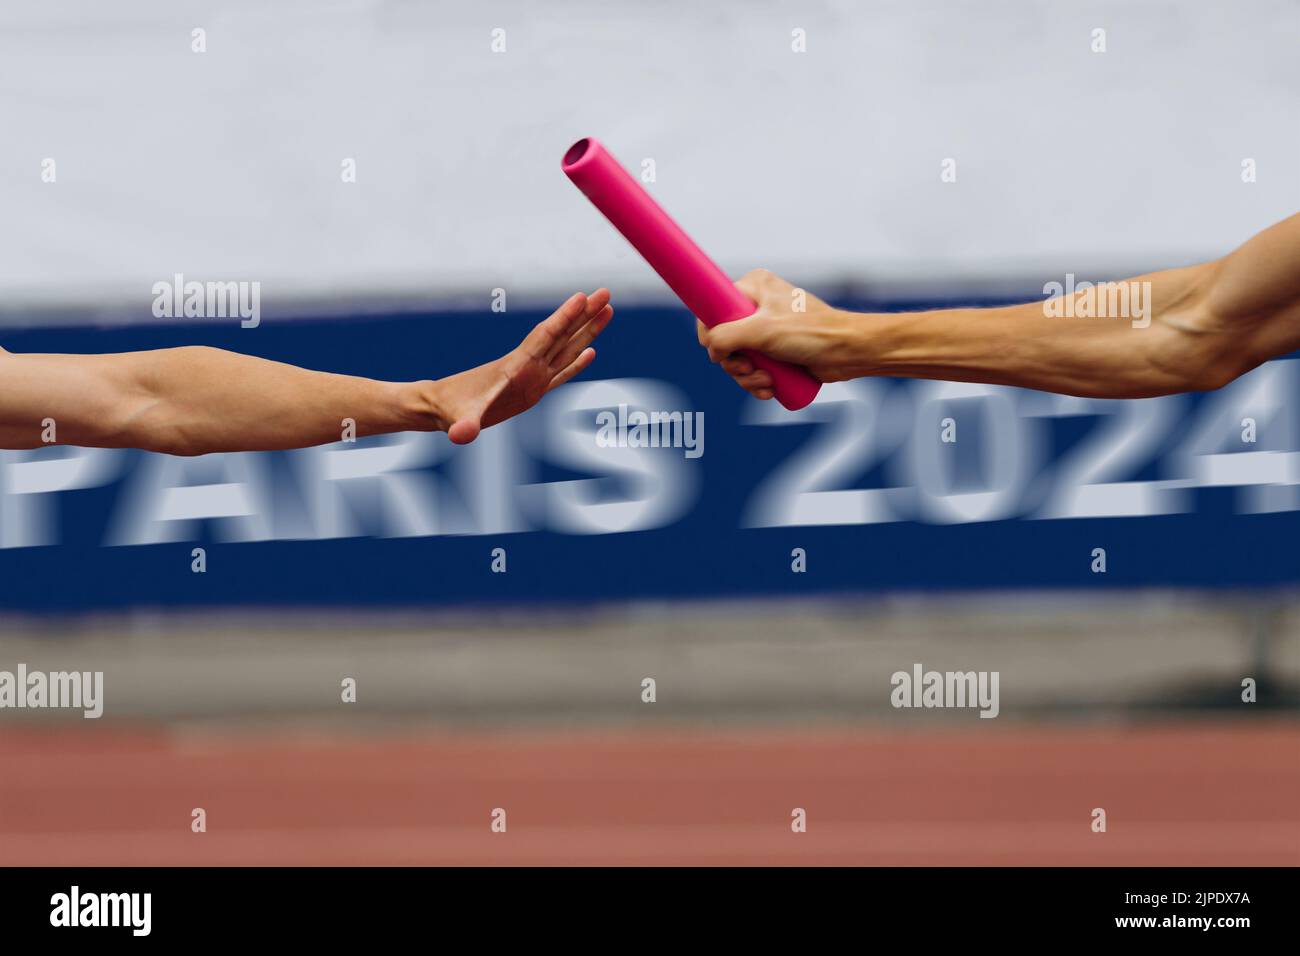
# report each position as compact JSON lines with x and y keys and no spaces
{"x":463,"y":431}
{"x":747,"y":333}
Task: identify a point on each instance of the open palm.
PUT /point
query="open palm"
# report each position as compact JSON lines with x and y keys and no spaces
{"x":552,"y":353}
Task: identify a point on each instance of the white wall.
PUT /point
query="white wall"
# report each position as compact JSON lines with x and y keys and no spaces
{"x":824,"y":165}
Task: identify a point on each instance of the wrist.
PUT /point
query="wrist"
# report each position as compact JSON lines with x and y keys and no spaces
{"x":860,"y":343}
{"x":419,"y":406}
{"x":877,"y":342}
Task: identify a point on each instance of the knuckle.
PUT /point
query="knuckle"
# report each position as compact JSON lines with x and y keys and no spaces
{"x":763,"y":328}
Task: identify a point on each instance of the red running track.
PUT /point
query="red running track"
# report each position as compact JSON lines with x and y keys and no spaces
{"x":1188,"y":794}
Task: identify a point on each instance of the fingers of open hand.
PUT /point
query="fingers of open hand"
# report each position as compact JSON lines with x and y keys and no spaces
{"x":552,"y":334}
{"x":580,"y":362}
{"x":585,"y":335}
{"x":548,"y":333}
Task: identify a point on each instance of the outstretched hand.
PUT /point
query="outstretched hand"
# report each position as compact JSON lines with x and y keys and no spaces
{"x":552,"y":353}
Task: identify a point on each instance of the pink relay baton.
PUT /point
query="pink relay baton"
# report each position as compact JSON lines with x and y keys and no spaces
{"x":698,"y":282}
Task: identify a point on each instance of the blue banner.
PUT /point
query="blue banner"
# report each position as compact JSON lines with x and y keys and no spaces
{"x":654,"y":476}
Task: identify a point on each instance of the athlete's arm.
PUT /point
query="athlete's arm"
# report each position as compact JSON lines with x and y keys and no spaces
{"x":195,"y":400}
{"x":1207,"y":325}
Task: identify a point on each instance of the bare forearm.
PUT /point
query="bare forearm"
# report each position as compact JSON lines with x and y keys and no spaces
{"x":1197,"y":328}
{"x":1143,"y":351}
{"x":197,"y":400}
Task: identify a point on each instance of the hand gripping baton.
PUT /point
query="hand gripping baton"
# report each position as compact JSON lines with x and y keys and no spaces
{"x":693,"y":276}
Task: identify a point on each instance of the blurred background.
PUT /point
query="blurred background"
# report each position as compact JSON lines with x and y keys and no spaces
{"x":643,"y":656}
